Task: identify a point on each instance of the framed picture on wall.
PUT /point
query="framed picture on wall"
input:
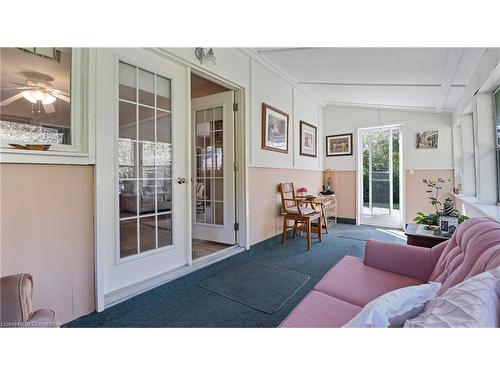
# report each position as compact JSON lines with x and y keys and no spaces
{"x":427,"y":139}
{"x":308,"y":139}
{"x":339,"y":145}
{"x":274,"y":129}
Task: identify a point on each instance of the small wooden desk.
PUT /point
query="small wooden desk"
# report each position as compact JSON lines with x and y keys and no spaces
{"x":418,"y":236}
{"x":324,"y":202}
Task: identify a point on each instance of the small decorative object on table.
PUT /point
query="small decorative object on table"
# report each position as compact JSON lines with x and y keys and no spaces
{"x":448,"y":207}
{"x":301,"y":191}
{"x":448,"y":224}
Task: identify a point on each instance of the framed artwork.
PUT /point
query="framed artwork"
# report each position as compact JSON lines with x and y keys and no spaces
{"x":339,"y":145}
{"x":448,"y":224}
{"x":308,"y":139}
{"x":427,"y":139}
{"x":274,"y":129}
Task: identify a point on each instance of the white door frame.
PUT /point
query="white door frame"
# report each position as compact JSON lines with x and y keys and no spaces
{"x":240,"y":151}
{"x":118,"y":279}
{"x":241,"y":182}
{"x":216,"y":232}
{"x":402,"y":170}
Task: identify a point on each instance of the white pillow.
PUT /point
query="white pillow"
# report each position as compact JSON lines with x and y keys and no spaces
{"x":394,"y":308}
{"x":474,"y":303}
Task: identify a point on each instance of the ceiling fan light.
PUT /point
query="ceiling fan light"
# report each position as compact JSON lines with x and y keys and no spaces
{"x":35,"y":96}
{"x":48,"y":99}
{"x":28,"y":95}
{"x":38,"y":95}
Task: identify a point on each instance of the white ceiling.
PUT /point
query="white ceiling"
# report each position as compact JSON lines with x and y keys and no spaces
{"x":411,"y":78}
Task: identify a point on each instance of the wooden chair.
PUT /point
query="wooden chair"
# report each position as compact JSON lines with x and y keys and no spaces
{"x":301,"y":212}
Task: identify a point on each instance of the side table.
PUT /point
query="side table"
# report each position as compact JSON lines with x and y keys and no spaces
{"x":417,"y":235}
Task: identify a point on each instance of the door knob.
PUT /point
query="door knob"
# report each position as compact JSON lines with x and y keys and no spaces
{"x":181,"y":180}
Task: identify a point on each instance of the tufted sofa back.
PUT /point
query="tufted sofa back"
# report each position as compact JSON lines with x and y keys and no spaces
{"x":473,"y":249}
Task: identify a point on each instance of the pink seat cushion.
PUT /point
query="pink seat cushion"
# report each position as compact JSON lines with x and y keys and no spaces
{"x":354,"y":282}
{"x":473,"y":249}
{"x":317,"y":310}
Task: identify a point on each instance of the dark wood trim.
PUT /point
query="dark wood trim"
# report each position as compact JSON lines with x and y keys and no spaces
{"x":264,"y":146}
{"x":302,"y":123}
{"x":339,"y":135}
{"x":346,"y":220}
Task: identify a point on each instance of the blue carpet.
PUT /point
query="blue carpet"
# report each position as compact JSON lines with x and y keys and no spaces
{"x":183,"y":303}
{"x":365,"y":234}
{"x":256,"y":284}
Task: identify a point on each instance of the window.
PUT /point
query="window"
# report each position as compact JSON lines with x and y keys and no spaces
{"x":144,"y":161}
{"x":475,"y":148}
{"x":496,"y":97}
{"x":35,"y":98}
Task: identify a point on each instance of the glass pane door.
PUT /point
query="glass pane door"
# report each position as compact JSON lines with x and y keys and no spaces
{"x":209,"y":172}
{"x":380,"y":176}
{"x":144,"y":161}
{"x":380,"y":188}
{"x":213,"y":190}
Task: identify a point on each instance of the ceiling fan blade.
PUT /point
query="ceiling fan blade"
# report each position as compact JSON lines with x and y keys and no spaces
{"x":60,"y":96}
{"x":17,"y":88}
{"x":60,"y":92}
{"x":49,"y":108}
{"x":11,"y":99}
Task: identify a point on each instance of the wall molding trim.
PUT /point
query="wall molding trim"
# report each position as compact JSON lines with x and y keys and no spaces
{"x":431,"y":169}
{"x":444,"y":111}
{"x":285,"y":167}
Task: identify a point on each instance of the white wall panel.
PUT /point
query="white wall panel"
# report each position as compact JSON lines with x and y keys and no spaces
{"x":346,"y":119}
{"x":266,"y":87}
{"x":305,"y":109}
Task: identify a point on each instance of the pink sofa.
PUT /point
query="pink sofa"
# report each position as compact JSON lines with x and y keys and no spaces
{"x":353,"y":282}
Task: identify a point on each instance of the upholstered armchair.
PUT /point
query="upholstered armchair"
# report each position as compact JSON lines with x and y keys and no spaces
{"x":16,"y":309}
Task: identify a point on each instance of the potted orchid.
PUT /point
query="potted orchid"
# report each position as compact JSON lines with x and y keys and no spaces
{"x":301,"y":191}
{"x":432,"y":220}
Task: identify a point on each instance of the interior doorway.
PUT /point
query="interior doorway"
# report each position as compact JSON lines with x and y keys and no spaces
{"x":380,"y":176}
{"x":213,"y":155}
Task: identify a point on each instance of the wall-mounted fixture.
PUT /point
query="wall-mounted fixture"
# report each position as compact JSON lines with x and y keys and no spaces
{"x":205,"y":55}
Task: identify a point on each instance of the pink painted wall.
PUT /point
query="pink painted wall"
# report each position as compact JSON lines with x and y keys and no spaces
{"x":46,"y":230}
{"x":265,"y":201}
{"x":344,"y":185}
{"x":416,"y":196}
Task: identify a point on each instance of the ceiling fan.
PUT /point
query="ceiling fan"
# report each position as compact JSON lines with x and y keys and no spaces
{"x":41,"y":93}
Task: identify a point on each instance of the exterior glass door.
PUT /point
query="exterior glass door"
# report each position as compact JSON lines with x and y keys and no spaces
{"x":380,"y":177}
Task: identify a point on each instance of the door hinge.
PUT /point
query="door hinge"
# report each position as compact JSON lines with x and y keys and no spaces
{"x":236,"y":166}
{"x":235,"y":107}
{"x":236,"y":227}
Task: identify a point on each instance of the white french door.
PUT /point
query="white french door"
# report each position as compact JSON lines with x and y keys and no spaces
{"x":380,"y":176}
{"x":213,"y":189}
{"x":141,"y":170}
